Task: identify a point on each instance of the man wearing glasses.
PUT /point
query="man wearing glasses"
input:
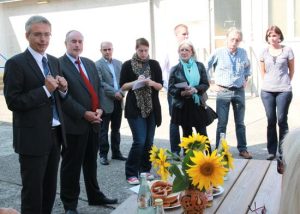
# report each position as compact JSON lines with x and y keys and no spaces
{"x":33,"y":89}
{"x":232,"y":69}
{"x":109,"y":73}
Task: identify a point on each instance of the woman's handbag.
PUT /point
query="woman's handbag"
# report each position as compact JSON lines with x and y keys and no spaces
{"x":211,"y":115}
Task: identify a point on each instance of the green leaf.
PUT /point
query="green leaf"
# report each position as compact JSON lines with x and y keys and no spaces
{"x":179,"y":184}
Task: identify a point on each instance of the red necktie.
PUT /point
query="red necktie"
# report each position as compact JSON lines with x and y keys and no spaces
{"x":95,"y":100}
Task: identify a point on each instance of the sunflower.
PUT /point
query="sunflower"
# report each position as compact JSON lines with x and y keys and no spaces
{"x":163,"y":165}
{"x":207,"y":170}
{"x":154,"y":155}
{"x":227,"y":156}
{"x":195,"y":142}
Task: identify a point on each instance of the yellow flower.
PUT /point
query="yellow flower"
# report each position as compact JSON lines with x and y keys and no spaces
{"x":195,"y":142}
{"x":227,"y":156}
{"x":153,"y":155}
{"x":186,"y":141}
{"x":163,"y":165}
{"x":158,"y":158}
{"x":207,"y":170}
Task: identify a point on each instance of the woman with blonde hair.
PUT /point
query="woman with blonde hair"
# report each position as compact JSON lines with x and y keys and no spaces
{"x":290,"y":196}
{"x":187,"y":109}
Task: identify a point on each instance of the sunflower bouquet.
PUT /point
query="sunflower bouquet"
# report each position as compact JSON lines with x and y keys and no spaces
{"x":198,"y":169}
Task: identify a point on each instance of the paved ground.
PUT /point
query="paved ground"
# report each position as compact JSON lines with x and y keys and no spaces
{"x":112,"y":178}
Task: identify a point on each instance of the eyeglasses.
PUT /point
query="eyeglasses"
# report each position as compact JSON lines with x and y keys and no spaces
{"x":40,"y":35}
{"x":106,"y":49}
{"x":185,"y":49}
{"x":263,"y":209}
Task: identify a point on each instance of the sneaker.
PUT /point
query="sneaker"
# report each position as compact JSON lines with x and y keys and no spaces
{"x":150,"y":177}
{"x":133,"y":180}
{"x":245,"y":154}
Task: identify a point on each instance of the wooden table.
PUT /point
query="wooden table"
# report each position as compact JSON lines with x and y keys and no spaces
{"x":251,"y":181}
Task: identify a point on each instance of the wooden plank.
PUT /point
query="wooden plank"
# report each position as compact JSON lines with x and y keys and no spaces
{"x":239,"y":165}
{"x":245,"y":188}
{"x":270,"y":190}
{"x":128,"y":206}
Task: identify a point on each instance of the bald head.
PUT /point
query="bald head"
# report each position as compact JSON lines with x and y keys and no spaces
{"x":106,"y":49}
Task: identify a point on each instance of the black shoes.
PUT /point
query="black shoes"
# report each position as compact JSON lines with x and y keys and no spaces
{"x":104,"y":161}
{"x":119,"y":157}
{"x":71,"y":212}
{"x":103,"y":201}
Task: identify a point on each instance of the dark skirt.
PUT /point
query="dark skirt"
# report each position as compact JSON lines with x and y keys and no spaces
{"x":190,"y":115}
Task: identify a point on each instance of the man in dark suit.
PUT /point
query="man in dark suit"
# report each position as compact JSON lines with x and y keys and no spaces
{"x":33,"y":89}
{"x":112,"y":101}
{"x":83,"y":116}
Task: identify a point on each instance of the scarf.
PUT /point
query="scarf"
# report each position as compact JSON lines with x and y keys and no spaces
{"x":143,"y":95}
{"x":192,"y":75}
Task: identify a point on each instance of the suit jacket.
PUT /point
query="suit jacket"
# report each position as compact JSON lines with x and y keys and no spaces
{"x":31,"y":107}
{"x":107,"y":82}
{"x":78,"y":100}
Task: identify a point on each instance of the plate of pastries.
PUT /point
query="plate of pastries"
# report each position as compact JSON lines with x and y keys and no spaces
{"x":162,"y":189}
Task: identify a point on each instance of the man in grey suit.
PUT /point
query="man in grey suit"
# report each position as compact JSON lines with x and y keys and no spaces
{"x":82,"y":116}
{"x":112,"y":101}
{"x":34,"y":89}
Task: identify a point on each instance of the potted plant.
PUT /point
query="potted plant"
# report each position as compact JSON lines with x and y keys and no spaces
{"x":195,"y":173}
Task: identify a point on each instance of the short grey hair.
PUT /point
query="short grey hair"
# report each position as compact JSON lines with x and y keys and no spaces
{"x":234,"y":30}
{"x":104,"y":43}
{"x":35,"y":20}
{"x":190,"y":44}
{"x":68,"y":34}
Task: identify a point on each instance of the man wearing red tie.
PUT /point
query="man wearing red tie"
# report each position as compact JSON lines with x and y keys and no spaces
{"x":82,"y":117}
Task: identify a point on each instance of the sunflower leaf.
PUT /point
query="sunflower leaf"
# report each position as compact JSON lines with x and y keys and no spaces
{"x":180,"y":182}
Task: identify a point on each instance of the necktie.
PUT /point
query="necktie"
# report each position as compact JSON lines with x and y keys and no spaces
{"x":47,"y":72}
{"x":95,"y":101}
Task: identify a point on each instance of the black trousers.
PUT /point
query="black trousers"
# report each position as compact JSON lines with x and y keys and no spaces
{"x":39,"y":179}
{"x":114,"y":119}
{"x":81,"y":152}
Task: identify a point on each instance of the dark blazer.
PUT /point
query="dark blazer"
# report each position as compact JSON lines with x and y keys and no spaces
{"x":107,"y":82}
{"x":177,"y":76}
{"x":27,"y":99}
{"x":78,"y":100}
{"x":127,"y":75}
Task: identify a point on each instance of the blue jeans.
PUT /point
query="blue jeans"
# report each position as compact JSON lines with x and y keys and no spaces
{"x":114,"y":119}
{"x":173,"y":131}
{"x":237,"y":98}
{"x":143,"y":130}
{"x":276,"y":106}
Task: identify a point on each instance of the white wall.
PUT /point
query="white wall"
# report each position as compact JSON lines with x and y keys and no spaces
{"x":123,"y":21}
{"x":120,"y":24}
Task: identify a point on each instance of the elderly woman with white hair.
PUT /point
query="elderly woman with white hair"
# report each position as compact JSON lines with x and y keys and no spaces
{"x":187,"y":110}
